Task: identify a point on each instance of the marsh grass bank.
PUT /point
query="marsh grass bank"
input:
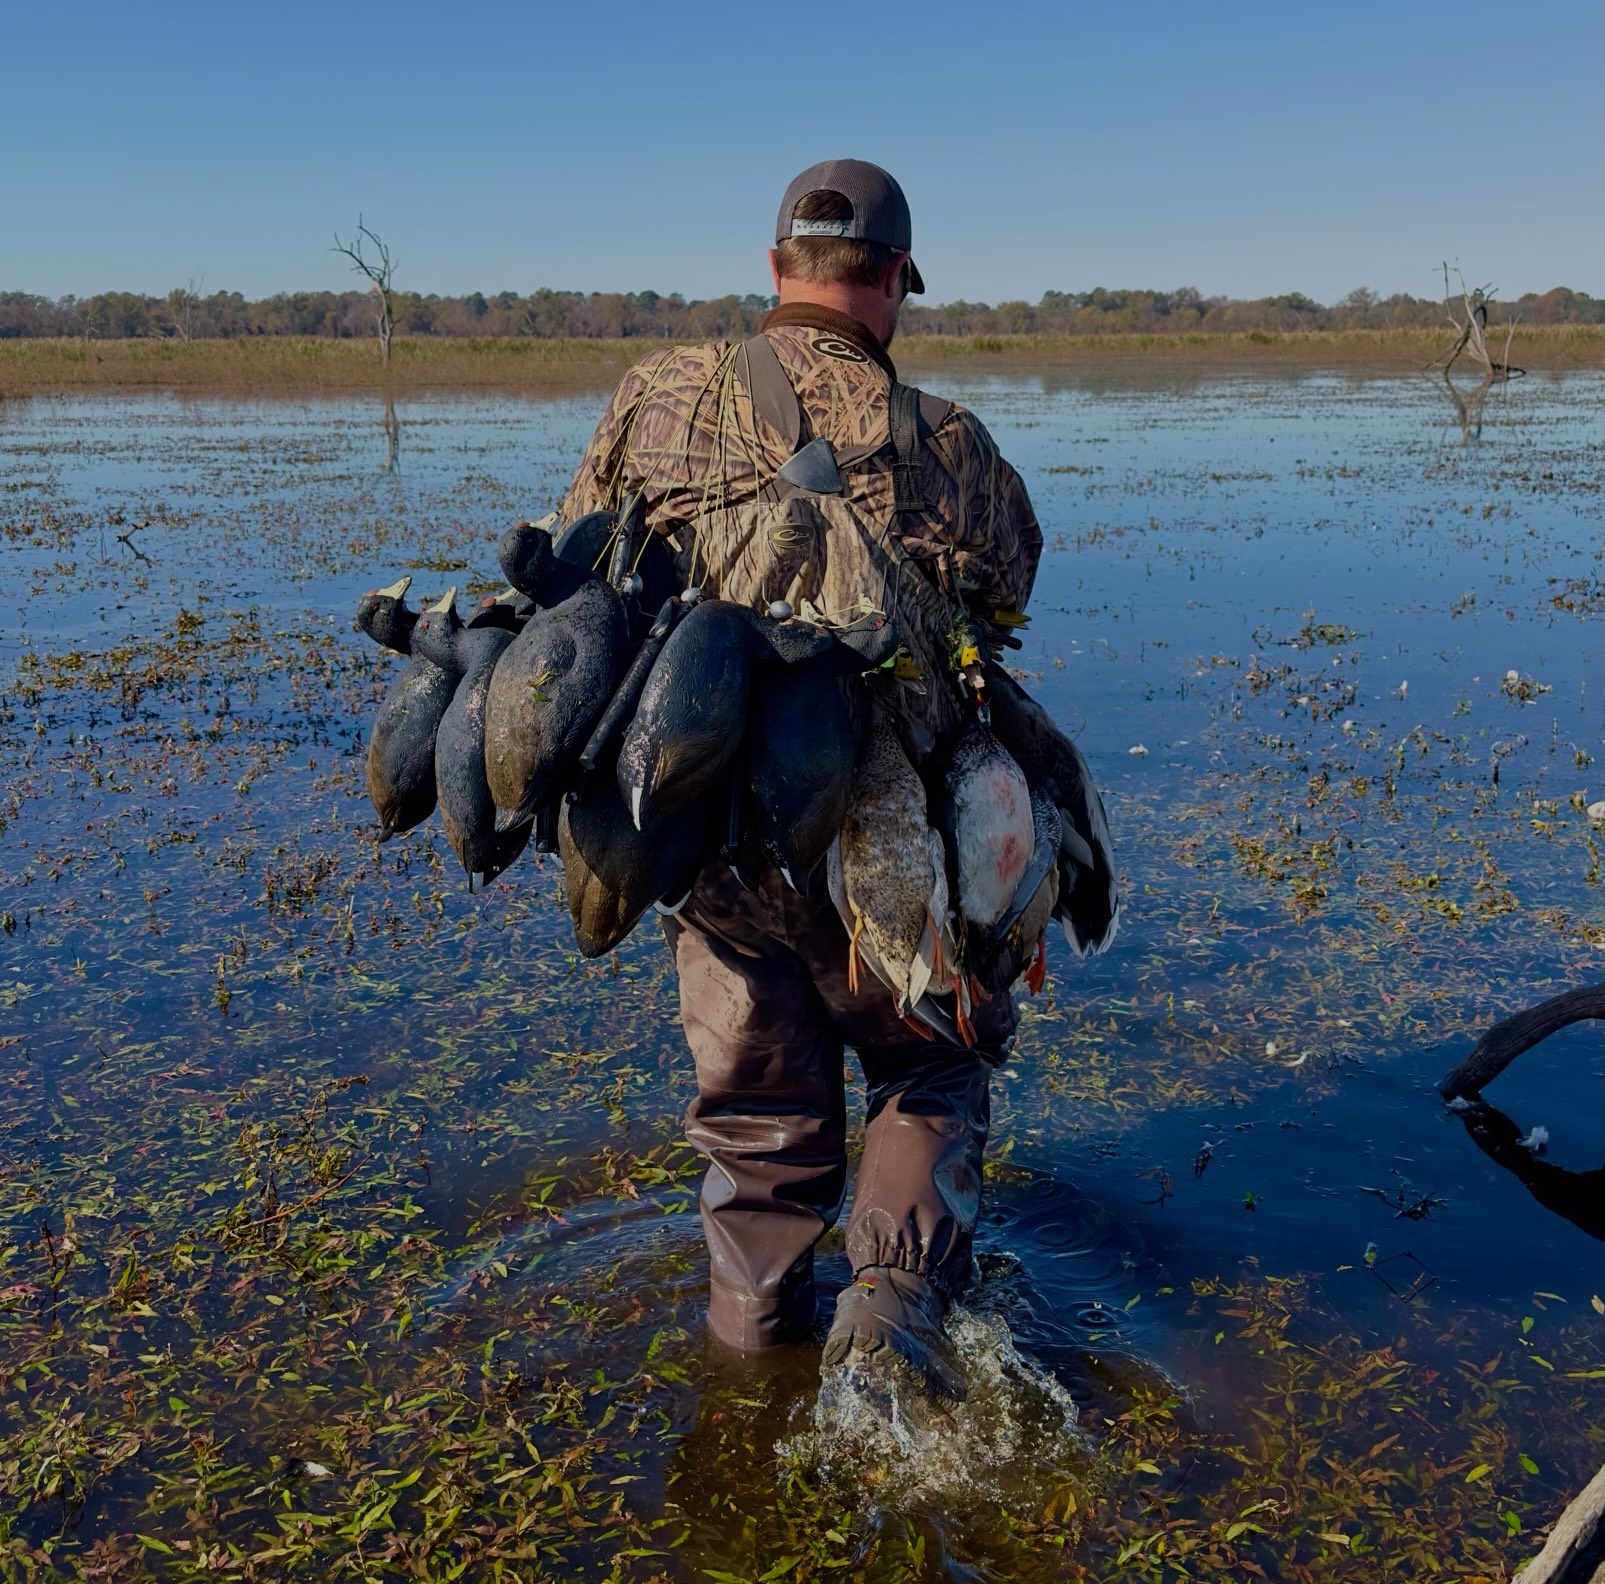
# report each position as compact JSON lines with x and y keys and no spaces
{"x":312,"y":364}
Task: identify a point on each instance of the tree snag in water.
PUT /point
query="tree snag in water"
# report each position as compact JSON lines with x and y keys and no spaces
{"x":379,"y":269}
{"x":1506,"y":1040}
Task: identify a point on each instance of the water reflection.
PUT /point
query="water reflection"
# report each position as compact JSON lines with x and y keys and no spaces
{"x":392,"y":431}
{"x":1578,"y":1197}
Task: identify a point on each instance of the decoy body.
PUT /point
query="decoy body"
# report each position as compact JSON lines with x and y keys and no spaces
{"x":466,"y":807}
{"x":401,"y":749}
{"x":555,"y":678}
{"x":588,"y":542}
{"x":693,"y":709}
{"x":613,"y":872}
{"x":888,"y":873}
{"x":804,"y":730}
{"x":1089,"y":899}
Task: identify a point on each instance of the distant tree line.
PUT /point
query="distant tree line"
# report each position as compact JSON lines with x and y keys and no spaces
{"x":186,"y":314}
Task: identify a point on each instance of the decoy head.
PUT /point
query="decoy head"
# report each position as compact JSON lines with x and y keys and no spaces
{"x":438,"y":623}
{"x":525,"y":556}
{"x":383,"y":615}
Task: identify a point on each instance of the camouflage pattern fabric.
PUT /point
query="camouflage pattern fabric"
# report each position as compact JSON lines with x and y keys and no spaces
{"x":681,"y":430}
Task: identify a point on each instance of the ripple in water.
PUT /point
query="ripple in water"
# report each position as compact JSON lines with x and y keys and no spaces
{"x":1014,"y":1438}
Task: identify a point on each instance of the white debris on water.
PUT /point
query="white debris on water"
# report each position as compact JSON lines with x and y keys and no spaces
{"x":1012,"y":1440}
{"x":1537,"y":1141}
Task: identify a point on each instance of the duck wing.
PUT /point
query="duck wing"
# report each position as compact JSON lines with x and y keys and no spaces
{"x":1089,"y":901}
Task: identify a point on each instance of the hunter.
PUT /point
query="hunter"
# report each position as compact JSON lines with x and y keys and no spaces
{"x":702,"y":432}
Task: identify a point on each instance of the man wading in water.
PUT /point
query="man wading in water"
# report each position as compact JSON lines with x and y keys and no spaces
{"x":701,"y":432}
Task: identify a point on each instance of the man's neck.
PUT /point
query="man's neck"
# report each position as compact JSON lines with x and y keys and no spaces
{"x":867,"y":304}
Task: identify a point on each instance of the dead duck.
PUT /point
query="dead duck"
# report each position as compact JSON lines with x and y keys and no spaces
{"x":401,"y":749}
{"x":693,"y":710}
{"x":1020,"y":935}
{"x":508,"y":610}
{"x":887,"y":872}
{"x":552,"y":682}
{"x":466,"y":807}
{"x":1089,"y":900}
{"x":989,"y":816}
{"x":613,"y":872}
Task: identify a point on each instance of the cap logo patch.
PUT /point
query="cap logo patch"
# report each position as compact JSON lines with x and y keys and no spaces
{"x":836,"y":347}
{"x":821,"y":228}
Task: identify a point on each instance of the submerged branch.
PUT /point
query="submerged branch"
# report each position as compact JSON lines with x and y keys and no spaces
{"x":1506,"y":1040}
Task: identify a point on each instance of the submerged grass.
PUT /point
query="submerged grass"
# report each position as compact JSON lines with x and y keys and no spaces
{"x":312,"y":364}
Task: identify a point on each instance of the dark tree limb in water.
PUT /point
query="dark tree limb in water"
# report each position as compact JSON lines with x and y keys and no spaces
{"x":1506,"y":1040}
{"x":1471,"y":325}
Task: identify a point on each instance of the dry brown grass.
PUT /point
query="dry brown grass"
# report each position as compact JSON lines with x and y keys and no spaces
{"x":311,"y":364}
{"x":307,"y":364}
{"x":1541,"y":348}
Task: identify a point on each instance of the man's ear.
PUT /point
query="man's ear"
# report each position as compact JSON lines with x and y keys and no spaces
{"x":774,"y":269}
{"x":892,"y":280}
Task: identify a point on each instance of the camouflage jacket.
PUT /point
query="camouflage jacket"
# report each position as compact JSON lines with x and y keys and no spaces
{"x":681,"y":429}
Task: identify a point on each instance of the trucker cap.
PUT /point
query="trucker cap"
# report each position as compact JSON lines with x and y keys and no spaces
{"x":880,"y":211}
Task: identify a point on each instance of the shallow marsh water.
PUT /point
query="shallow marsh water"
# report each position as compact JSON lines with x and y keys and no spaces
{"x":345,"y":1229}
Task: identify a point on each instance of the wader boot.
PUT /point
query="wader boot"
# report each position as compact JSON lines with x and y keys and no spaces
{"x":889,"y":1316}
{"x":767,"y":1012}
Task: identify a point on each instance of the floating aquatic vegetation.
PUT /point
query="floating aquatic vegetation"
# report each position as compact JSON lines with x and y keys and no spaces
{"x":311,"y":1161}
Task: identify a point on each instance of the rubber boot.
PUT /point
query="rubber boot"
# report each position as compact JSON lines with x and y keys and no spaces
{"x":892,"y":1316}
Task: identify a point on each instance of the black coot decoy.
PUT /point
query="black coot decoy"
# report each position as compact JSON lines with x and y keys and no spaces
{"x":554,"y":679}
{"x":588,"y":542}
{"x":401,"y":749}
{"x":1089,"y":890}
{"x":466,"y":807}
{"x":693,"y":710}
{"x":613,"y":872}
{"x":804,"y":730}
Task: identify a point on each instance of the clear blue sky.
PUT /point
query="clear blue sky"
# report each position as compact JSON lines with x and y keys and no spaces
{"x":1243,"y":148}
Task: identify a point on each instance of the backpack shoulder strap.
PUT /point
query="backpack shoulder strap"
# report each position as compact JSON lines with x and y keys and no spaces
{"x":773,"y":397}
{"x":913,"y":417}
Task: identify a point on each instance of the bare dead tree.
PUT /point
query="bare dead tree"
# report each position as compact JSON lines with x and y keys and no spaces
{"x":182,"y":302}
{"x":1470,"y":321}
{"x":371,"y":259}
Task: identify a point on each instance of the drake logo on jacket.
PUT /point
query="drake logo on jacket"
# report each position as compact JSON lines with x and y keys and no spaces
{"x":836,"y":347}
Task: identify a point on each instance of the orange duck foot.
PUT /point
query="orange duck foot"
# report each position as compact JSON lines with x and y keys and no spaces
{"x":1037,"y":974}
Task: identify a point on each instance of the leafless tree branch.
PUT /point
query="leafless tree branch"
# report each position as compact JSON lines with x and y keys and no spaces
{"x":371,"y":259}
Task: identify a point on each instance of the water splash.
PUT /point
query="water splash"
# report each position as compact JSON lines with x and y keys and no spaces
{"x":1013,"y":1439}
